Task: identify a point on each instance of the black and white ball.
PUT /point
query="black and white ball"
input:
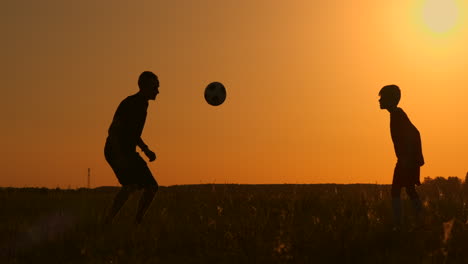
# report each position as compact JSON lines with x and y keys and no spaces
{"x":215,"y":93}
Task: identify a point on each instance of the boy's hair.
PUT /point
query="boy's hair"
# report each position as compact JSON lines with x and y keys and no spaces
{"x":145,"y":76}
{"x":391,"y":91}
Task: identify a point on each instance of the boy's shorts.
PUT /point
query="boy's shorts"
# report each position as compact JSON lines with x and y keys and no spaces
{"x":406,"y":176}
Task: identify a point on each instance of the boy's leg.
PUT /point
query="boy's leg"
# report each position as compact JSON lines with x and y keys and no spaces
{"x":396,"y":205}
{"x":119,"y":201}
{"x":411,"y":191}
{"x":145,"y":202}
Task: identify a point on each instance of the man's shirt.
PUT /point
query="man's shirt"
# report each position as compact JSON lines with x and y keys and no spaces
{"x":127,"y":124}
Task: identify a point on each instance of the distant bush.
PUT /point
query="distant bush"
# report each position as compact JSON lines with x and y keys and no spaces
{"x":448,"y":188}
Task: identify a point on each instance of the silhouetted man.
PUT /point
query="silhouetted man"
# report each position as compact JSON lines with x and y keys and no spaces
{"x":124,"y":135}
{"x":407,"y":144}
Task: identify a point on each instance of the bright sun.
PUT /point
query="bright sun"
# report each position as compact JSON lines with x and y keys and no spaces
{"x":440,"y":15}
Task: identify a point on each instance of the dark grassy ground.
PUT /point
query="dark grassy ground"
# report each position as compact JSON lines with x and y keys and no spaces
{"x":233,"y":224}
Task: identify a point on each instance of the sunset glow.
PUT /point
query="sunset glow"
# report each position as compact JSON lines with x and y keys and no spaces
{"x":302,"y":79}
{"x":440,"y":15}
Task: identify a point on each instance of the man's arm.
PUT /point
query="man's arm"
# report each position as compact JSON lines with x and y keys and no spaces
{"x":142,"y":145}
{"x":150,"y":154}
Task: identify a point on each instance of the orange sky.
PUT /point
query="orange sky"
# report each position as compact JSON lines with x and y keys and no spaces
{"x":302,"y":80}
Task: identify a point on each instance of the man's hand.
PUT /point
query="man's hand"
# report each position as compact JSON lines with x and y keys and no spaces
{"x":150,"y":154}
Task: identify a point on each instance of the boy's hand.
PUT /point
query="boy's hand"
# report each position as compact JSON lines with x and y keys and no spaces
{"x":407,"y":163}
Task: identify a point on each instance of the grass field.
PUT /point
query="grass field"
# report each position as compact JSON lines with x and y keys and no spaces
{"x":234,"y":224}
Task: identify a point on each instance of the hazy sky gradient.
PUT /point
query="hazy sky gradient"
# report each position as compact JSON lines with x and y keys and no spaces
{"x":302,"y":80}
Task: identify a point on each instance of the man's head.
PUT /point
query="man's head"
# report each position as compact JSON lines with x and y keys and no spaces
{"x":389,"y":96}
{"x":149,"y":85}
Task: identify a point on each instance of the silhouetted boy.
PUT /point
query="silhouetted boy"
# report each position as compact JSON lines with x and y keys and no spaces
{"x":407,"y":143}
{"x":120,"y":150}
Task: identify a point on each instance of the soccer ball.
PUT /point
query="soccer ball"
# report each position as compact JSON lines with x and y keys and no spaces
{"x":215,"y":93}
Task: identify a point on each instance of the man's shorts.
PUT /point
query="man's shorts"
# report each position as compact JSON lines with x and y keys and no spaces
{"x":406,"y":176}
{"x":130,"y":169}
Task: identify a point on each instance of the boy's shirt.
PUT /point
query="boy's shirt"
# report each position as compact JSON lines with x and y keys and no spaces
{"x":406,"y":139}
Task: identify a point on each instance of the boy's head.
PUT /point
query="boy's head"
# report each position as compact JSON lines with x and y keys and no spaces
{"x":389,"y":96}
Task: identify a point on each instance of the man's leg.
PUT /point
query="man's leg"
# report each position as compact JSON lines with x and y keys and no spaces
{"x":119,"y":201}
{"x":396,"y":205}
{"x":145,"y":201}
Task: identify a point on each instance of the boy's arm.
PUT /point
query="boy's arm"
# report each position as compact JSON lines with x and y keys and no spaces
{"x":413,"y":151}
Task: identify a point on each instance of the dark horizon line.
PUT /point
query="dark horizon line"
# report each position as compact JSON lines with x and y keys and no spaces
{"x":222,"y":184}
